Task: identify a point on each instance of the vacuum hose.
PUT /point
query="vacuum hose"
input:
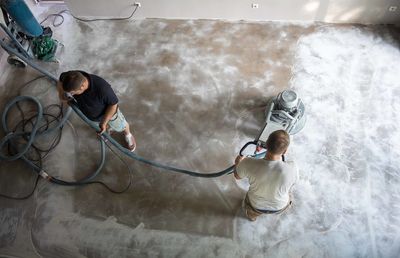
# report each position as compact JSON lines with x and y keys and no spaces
{"x":32,"y":135}
{"x":104,"y":137}
{"x":133,"y":155}
{"x":35,"y":133}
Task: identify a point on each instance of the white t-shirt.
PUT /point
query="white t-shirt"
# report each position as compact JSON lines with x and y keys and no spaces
{"x":270,"y":181}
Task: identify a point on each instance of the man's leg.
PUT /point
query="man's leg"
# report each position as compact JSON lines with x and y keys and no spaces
{"x":251,"y":214}
{"x":127,"y":129}
{"x":118,"y":123}
{"x":130,"y":140}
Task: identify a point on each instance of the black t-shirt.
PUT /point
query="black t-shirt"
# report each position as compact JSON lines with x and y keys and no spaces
{"x":94,"y":101}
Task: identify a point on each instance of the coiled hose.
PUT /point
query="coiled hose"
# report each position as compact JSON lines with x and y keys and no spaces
{"x":30,"y":136}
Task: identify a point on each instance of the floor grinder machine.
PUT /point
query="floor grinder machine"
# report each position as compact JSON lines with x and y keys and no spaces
{"x":284,"y":112}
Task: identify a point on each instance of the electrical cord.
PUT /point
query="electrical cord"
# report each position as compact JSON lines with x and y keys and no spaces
{"x":59,"y":15}
{"x":24,"y":197}
{"x":21,"y":126}
{"x":55,"y":15}
{"x":23,"y":123}
{"x":105,"y":19}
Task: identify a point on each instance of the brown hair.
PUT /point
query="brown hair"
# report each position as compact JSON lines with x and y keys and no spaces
{"x":72,"y":80}
{"x":278,"y":142}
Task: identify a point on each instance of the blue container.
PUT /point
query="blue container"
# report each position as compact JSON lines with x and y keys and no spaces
{"x":21,"y":14}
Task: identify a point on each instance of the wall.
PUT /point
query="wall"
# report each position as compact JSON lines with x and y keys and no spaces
{"x":337,"y":11}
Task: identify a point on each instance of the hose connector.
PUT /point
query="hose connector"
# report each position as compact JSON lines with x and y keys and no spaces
{"x":103,"y":138}
{"x":43,"y":174}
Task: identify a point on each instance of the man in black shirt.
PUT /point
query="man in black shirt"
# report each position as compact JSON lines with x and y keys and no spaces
{"x":97,"y":100}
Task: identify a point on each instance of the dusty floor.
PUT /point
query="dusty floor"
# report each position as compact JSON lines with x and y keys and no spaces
{"x":195,"y":92}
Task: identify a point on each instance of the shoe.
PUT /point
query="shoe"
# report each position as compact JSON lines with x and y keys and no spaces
{"x":130,"y":140}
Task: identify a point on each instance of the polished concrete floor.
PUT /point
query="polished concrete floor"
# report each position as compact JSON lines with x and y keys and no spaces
{"x":194,"y":92}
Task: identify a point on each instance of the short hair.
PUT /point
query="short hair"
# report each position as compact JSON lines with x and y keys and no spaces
{"x":72,"y":80}
{"x":278,"y":142}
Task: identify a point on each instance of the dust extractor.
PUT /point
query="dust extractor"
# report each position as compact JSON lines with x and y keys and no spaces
{"x":284,"y":112}
{"x":24,"y":34}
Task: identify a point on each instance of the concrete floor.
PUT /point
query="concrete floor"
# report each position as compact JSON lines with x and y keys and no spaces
{"x":195,"y":92}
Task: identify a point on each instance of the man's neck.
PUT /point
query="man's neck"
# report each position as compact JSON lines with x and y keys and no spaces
{"x":270,"y":156}
{"x":87,"y":86}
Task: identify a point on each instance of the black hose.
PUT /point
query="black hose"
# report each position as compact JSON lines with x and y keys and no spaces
{"x":24,"y":197}
{"x":245,"y":146}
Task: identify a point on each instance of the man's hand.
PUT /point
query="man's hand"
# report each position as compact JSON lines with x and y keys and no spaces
{"x":103,"y":127}
{"x":238,"y":159}
{"x":259,"y":148}
{"x":110,"y":111}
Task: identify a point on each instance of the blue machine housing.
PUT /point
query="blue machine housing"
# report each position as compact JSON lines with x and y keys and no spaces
{"x":22,"y":15}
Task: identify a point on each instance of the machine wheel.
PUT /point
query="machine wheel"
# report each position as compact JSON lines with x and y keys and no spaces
{"x":16,"y":61}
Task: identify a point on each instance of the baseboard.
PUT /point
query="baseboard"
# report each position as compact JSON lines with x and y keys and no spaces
{"x":49,"y":2}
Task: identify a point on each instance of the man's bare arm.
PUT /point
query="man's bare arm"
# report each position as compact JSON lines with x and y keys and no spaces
{"x":110,"y":111}
{"x":235,"y":174}
{"x":237,"y":161}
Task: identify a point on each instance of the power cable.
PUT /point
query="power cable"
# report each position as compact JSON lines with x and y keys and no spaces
{"x":55,"y":15}
{"x":60,"y":16}
{"x":24,"y":197}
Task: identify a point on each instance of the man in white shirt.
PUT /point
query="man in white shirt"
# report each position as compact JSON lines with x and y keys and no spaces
{"x":270,"y":178}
